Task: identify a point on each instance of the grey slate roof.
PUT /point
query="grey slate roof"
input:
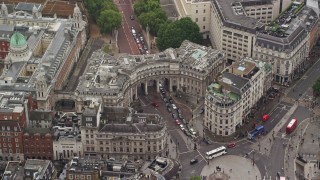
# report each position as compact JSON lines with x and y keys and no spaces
{"x":236,"y":21}
{"x":41,"y":115}
{"x":22,"y":6}
{"x":238,"y":82}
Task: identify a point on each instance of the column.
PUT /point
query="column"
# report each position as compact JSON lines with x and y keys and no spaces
{"x":170,"y":84}
{"x":146,"y":87}
{"x":131,"y":94}
{"x":157,"y":86}
{"x":136,"y":91}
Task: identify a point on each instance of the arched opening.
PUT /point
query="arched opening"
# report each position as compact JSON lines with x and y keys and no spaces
{"x":65,"y":105}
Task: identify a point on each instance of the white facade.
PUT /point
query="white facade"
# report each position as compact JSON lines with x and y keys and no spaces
{"x":230,"y":100}
{"x":198,"y":11}
{"x":67,"y":147}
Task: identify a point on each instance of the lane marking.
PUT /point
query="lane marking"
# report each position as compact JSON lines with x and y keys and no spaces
{"x":202,"y":157}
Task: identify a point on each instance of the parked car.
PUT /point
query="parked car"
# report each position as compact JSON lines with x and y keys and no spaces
{"x":162,"y":91}
{"x":132,"y":17}
{"x":179,"y":111}
{"x":174,"y":116}
{"x":145,"y":47}
{"x":192,"y":131}
{"x":184,"y":121}
{"x":140,"y":46}
{"x":174,"y":106}
{"x":187,"y":133}
{"x":165,"y":100}
{"x":168,"y":105}
{"x":193,"y":161}
{"x":138,"y":41}
{"x":178,"y":122}
{"x":169,"y":109}
{"x":133,"y":31}
{"x":231,"y":144}
{"x":180,"y":116}
{"x":142,"y":51}
{"x":182,"y":127}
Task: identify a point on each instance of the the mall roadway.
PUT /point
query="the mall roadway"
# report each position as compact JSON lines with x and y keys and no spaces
{"x":126,"y":42}
{"x":269,"y":162}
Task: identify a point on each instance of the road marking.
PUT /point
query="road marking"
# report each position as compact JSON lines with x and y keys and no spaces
{"x":202,"y":156}
{"x":185,"y":152}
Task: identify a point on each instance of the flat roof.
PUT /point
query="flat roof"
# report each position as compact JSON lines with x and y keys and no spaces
{"x":233,"y":15}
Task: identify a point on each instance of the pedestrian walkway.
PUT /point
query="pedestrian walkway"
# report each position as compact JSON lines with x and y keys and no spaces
{"x":235,"y":167}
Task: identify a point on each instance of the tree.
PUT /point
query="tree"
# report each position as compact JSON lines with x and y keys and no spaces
{"x":172,"y":34}
{"x":109,"y":20}
{"x":145,"y":6}
{"x":316,"y":87}
{"x":195,"y":178}
{"x":94,"y":8}
{"x":153,"y":19}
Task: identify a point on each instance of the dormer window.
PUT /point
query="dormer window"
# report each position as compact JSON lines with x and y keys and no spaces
{"x":8,"y":128}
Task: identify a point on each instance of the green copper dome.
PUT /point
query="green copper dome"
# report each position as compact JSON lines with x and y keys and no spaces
{"x":17,"y":40}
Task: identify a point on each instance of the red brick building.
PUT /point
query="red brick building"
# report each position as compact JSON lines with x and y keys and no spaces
{"x":11,"y":147}
{"x":37,"y":144}
{"x":16,"y":106}
{"x":4,"y":48}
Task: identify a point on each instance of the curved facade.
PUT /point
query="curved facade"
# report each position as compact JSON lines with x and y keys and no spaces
{"x":190,"y":69}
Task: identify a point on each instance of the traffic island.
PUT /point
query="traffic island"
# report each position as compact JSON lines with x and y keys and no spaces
{"x":231,"y":167}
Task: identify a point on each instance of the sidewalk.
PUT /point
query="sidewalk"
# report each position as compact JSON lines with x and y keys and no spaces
{"x":235,"y":167}
{"x":292,"y":150}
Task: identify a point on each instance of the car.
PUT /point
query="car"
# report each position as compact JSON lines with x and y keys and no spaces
{"x":162,"y":92}
{"x":231,"y":144}
{"x":139,"y":46}
{"x":141,"y":38}
{"x":145,"y":47}
{"x":180,"y":116}
{"x":193,"y":161}
{"x":184,"y":121}
{"x":132,"y":17}
{"x":192,"y":131}
{"x":178,"y":122}
{"x":142,"y":51}
{"x":168,"y":105}
{"x":165,"y":100}
{"x":171,"y":101}
{"x":138,"y":41}
{"x":174,"y":106}
{"x":133,"y":31}
{"x":174,"y":116}
{"x":182,"y":127}
{"x":154,"y":104}
{"x":187,"y":133}
{"x":179,"y":111}
{"x":169,"y":109}
{"x":147,"y":52}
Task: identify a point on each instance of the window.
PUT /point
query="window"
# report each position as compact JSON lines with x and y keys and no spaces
{"x":204,"y":18}
{"x":204,"y":11}
{"x":196,"y":11}
{"x":203,"y":27}
{"x":88,"y":118}
{"x":70,"y":176}
{"x":196,"y":19}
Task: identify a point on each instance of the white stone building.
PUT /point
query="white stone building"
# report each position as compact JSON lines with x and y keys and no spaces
{"x":230,"y":99}
{"x":286,"y":43}
{"x":67,"y":146}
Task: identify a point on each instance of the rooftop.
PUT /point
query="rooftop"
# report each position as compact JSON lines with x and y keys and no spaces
{"x":233,"y":15}
{"x":23,"y":6}
{"x":289,"y":29}
{"x":12,"y":102}
{"x":106,"y":75}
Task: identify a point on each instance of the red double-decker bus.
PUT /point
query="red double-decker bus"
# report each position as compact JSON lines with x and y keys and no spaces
{"x":291,"y":126}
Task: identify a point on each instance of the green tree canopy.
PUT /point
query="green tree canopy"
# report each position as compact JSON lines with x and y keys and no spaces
{"x":150,"y":13}
{"x":316,"y":87}
{"x":172,"y":34}
{"x":195,"y":178}
{"x":109,"y":20}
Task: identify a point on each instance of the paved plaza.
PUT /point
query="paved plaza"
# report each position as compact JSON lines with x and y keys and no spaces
{"x":235,"y":167}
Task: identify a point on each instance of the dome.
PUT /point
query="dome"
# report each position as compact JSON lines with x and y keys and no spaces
{"x":17,"y":40}
{"x":76,"y":9}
